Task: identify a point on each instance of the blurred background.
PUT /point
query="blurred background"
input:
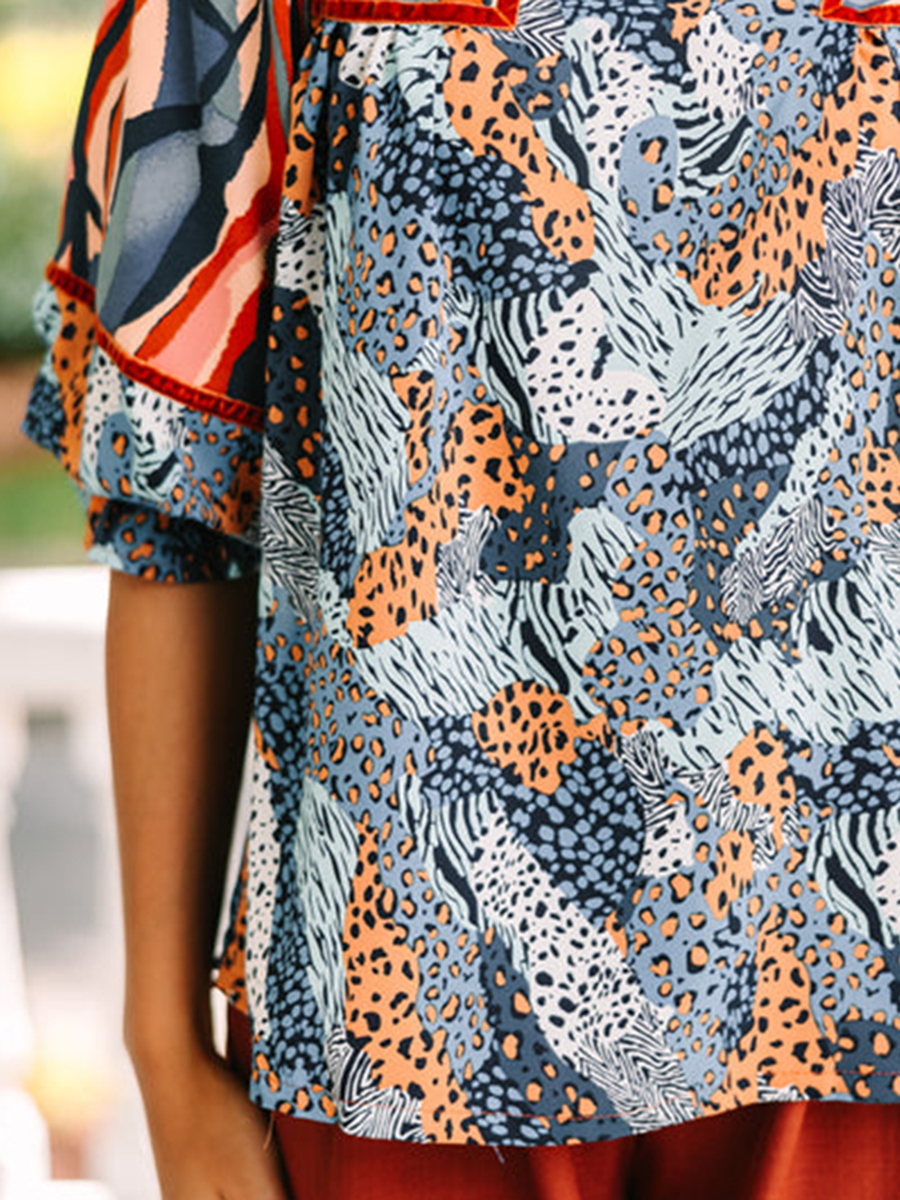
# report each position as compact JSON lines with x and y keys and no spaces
{"x":69,"y":1107}
{"x":44,"y":49}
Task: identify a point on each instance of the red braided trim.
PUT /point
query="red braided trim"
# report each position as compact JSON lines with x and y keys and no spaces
{"x":198,"y":398}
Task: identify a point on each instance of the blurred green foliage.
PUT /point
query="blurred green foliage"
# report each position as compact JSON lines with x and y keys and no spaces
{"x":44,"y":49}
{"x":47,"y":11}
{"x":41,"y":518}
{"x":29,"y":202}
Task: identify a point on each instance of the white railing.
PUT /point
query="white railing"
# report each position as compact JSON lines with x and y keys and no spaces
{"x":51,"y":628}
{"x":60,"y":1021}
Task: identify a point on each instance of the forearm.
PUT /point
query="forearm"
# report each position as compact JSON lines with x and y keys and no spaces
{"x":179,"y":683}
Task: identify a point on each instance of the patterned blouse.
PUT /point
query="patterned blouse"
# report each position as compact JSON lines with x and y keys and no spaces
{"x":543,"y":357}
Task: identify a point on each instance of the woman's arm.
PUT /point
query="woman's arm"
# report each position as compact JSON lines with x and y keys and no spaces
{"x":179,"y":681}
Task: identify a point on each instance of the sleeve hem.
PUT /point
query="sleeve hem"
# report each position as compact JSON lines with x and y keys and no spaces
{"x":124,"y":441}
{"x":138,"y":540}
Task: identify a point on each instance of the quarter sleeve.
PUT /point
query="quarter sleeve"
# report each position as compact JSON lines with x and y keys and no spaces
{"x":155,"y":307}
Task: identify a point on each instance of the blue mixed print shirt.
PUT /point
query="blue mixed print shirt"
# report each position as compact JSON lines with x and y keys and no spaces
{"x":543,"y":359}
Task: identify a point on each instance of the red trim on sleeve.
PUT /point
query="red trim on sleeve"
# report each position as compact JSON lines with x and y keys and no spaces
{"x":500,"y":15}
{"x":198,"y":398}
{"x":875,"y":14}
{"x":193,"y":397}
{"x":77,"y":288}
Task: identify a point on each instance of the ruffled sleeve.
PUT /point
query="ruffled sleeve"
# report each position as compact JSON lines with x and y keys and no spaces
{"x":155,"y":308}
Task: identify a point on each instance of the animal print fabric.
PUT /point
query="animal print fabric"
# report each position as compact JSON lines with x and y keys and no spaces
{"x":573,"y":474}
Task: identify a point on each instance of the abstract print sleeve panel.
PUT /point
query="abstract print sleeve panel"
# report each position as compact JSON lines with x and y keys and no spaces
{"x":156,"y":302}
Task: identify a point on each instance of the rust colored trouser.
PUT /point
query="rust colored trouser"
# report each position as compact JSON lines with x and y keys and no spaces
{"x":805,"y":1151}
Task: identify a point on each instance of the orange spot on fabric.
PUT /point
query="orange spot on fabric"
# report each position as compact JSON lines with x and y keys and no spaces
{"x":734,"y":871}
{"x":531,"y":729}
{"x":775,"y":242}
{"x":758,"y":772}
{"x":765,"y":1051}
{"x":378,"y":962}
{"x":485,"y":111}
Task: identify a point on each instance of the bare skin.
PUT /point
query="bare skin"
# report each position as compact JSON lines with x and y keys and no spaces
{"x":179,"y":682}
